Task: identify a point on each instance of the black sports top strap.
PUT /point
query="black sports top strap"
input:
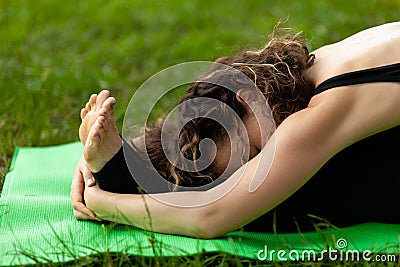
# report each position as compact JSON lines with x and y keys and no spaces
{"x":389,"y":73}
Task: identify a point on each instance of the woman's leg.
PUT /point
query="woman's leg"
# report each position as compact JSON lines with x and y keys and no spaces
{"x":109,"y":157}
{"x":115,"y":175}
{"x":103,"y":149}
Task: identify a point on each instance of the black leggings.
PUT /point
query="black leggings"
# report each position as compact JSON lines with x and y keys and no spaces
{"x":359,"y":184}
{"x":115,"y":175}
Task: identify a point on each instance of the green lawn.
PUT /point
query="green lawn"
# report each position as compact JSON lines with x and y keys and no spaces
{"x":54,"y":54}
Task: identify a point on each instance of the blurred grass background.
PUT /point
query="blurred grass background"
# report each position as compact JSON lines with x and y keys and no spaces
{"x":54,"y":54}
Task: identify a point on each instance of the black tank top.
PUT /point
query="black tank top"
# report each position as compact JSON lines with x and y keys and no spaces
{"x":359,"y":184}
{"x":388,"y":73}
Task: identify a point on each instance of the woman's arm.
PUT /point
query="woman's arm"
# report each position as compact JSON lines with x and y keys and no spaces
{"x":304,"y":142}
{"x":288,"y":172}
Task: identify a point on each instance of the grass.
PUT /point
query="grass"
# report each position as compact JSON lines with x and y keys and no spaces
{"x":54,"y":54}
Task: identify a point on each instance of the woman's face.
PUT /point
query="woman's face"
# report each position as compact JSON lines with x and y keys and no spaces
{"x":224,"y":153}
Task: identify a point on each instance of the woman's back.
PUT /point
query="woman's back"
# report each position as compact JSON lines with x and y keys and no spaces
{"x":374,"y":102}
{"x":356,"y":184}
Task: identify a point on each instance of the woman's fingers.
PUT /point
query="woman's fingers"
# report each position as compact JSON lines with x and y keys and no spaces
{"x":81,"y":216}
{"x":85,"y":171}
{"x":82,"y":172}
{"x":81,"y":212}
{"x":87,"y":175}
{"x":90,"y":182}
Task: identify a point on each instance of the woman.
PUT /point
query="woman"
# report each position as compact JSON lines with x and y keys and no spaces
{"x":342,"y":133}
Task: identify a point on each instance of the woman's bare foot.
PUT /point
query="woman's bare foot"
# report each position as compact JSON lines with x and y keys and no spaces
{"x":90,"y":113}
{"x":103,"y":140}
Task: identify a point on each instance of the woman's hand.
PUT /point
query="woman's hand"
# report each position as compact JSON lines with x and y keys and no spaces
{"x":82,"y":175}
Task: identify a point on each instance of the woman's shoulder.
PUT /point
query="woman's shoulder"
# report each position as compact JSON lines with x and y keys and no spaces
{"x":373,"y":47}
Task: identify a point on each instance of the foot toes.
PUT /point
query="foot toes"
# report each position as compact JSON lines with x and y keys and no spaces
{"x":84,"y":112}
{"x":93,"y":137}
{"x":109,"y":104}
{"x":103,"y":112}
{"x":103,"y":95}
{"x":108,"y":109}
{"x":99,"y":130}
{"x":92,"y":102}
{"x":102,"y":122}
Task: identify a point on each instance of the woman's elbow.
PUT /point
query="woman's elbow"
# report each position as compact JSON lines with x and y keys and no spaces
{"x":209,"y":225}
{"x":210,"y":233}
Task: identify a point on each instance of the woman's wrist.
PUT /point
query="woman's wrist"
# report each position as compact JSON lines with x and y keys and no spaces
{"x":91,"y":196}
{"x":99,"y":201}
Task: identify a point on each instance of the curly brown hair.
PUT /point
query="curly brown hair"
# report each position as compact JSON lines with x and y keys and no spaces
{"x":276,"y":70}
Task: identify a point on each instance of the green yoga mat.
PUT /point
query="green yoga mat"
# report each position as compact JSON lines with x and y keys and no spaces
{"x":36,"y":220}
